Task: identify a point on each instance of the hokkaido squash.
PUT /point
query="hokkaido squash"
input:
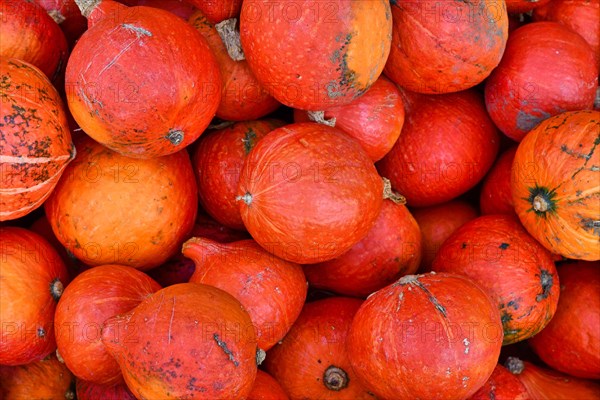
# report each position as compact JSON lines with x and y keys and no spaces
{"x":218,"y":10}
{"x":496,"y":194}
{"x":36,"y":143}
{"x":44,"y":379}
{"x":502,"y":385}
{"x":91,"y":391}
{"x":556,"y":184}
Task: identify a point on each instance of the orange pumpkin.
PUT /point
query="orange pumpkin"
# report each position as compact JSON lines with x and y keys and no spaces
{"x":502,"y":385}
{"x":556,"y":184}
{"x":36,"y":142}
{"x":44,"y":379}
{"x":266,"y":388}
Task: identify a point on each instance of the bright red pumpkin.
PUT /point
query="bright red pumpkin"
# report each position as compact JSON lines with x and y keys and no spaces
{"x":417,"y":339}
{"x":434,"y":160}
{"x":502,"y":385}
{"x":217,"y":159}
{"x":90,"y":299}
{"x":391,"y":249}
{"x":32,"y":280}
{"x":571,"y":341}
{"x":163,"y":343}
{"x":308,"y":193}
{"x":44,"y":379}
{"x":544,"y":384}
{"x":266,"y":388}
{"x":374,"y":119}
{"x":242,"y":97}
{"x":312,"y":361}
{"x":437,"y":223}
{"x":31,"y":35}
{"x":91,"y":391}
{"x":314,"y":56}
{"x":36,"y":143}
{"x":556,"y":185}
{"x":136,"y":108}
{"x":518,"y":273}
{"x":562,"y":60}
{"x":143,"y":208}
{"x":445,"y":47}
{"x":270,"y":289}
{"x":218,"y":10}
{"x":496,"y":194}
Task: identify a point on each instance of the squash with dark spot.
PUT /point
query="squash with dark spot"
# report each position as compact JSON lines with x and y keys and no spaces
{"x":556,"y":184}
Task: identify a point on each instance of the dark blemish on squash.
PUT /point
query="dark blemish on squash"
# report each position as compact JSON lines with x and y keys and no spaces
{"x":546,"y":282}
{"x":589,"y":225}
{"x":56,"y":289}
{"x":175,"y":136}
{"x":414,"y":280}
{"x":347,"y":76}
{"x":513,"y":304}
{"x":463,"y":246}
{"x":319,"y":361}
{"x":527,"y":121}
{"x":578,"y":193}
{"x":139,"y":31}
{"x":228,"y":352}
{"x":506,"y":317}
{"x":41,"y":332}
{"x":504,"y":246}
{"x":249,"y":140}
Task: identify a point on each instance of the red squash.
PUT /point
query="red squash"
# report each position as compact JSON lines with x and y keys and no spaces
{"x":180,"y":8}
{"x":266,"y":388}
{"x":448,"y":143}
{"x":242,"y":97}
{"x":93,"y":297}
{"x":502,"y":385}
{"x":32,"y":280}
{"x":44,"y":379}
{"x":185,"y":341}
{"x":309,"y":192}
{"x":375,"y":119}
{"x":312,"y":361}
{"x":270,"y":289}
{"x":545,"y":384}
{"x":143,"y":209}
{"x":496,"y":194}
{"x":518,"y":273}
{"x":91,"y":391}
{"x":391,"y":249}
{"x":217,"y":161}
{"x":566,"y":68}
{"x":555,"y":185}
{"x":437,"y":223}
{"x":417,"y":339}
{"x":445,"y":47}
{"x":31,"y":35}
{"x":134,"y":107}
{"x":571,"y":341}
{"x":218,"y":10}
{"x":314,"y":56}
{"x":36,"y":144}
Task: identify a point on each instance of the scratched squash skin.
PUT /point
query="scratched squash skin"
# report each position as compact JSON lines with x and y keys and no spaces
{"x":189,"y":340}
{"x":35,"y":145}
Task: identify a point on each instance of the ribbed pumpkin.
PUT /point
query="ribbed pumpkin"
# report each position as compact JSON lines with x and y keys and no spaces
{"x":44,"y":379}
{"x":556,"y":184}
{"x":36,"y":142}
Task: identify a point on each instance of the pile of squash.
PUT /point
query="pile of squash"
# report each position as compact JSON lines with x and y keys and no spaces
{"x":326,"y":199}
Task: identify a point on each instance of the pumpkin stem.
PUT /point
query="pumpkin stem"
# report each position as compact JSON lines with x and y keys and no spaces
{"x":514,"y":365}
{"x":87,"y":6}
{"x":335,"y":378}
{"x":56,"y":289}
{"x":540,"y":204}
{"x":230,"y":36}
{"x":260,"y":356}
{"x":319,"y":117}
{"x":56,"y":16}
{"x":69,"y":395}
{"x":389,"y":194}
{"x":247,"y":198}
{"x":59,"y":357}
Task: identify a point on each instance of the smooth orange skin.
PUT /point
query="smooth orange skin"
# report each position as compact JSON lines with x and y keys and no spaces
{"x":375,"y":119}
{"x":242,"y":97}
{"x":568,"y":75}
{"x":421,"y":340}
{"x":311,"y":193}
{"x":91,"y":391}
{"x":143,"y":209}
{"x":445,"y":47}
{"x":266,"y":388}
{"x":314,"y":56}
{"x":437,"y":223}
{"x":496,"y":195}
{"x":502,"y":385}
{"x":272,"y":290}
{"x":44,"y":379}
{"x":189,"y":341}
{"x":317,"y":341}
{"x":391,"y":249}
{"x":498,"y":254}
{"x":90,"y":299}
{"x":29,"y":266}
{"x":571,"y":341}
{"x":541,"y":161}
{"x":36,"y":140}
{"x":217,"y":159}
{"x":137,"y":108}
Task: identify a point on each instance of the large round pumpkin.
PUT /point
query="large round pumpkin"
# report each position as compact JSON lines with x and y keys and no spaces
{"x":135,"y":107}
{"x":443,"y":47}
{"x":44,"y":379}
{"x":36,"y":143}
{"x":309,"y":192}
{"x":565,"y":68}
{"x":496,"y":194}
{"x":417,"y":339}
{"x":142,"y":209}
{"x":556,"y":184}
{"x":314,"y":56}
